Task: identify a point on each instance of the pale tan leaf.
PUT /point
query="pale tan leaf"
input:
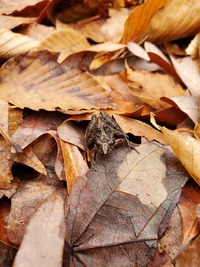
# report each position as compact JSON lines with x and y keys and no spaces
{"x":187,"y":149}
{"x":66,"y":41}
{"x":13,"y":44}
{"x":7,"y":7}
{"x":113,"y":28}
{"x":178,"y":19}
{"x":139,"y":19}
{"x":10,"y":22}
{"x":193,"y":48}
{"x":37,"y":81}
{"x":138,"y":51}
{"x":189,"y":73}
{"x":44,"y":238}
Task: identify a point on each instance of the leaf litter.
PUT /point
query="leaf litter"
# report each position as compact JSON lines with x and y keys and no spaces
{"x":128,"y":207}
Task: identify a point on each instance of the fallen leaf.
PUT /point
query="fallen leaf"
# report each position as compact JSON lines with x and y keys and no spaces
{"x":190,"y":256}
{"x":43,"y":243}
{"x":181,"y":16}
{"x":189,"y":74}
{"x":42,"y":83}
{"x":147,"y":87}
{"x":74,"y":164}
{"x":67,"y":42}
{"x":13,"y":44}
{"x":8,"y":7}
{"x":186,"y":148}
{"x":189,"y":105}
{"x":188,"y":202}
{"x":9,"y":22}
{"x":121,"y":207}
{"x":139,"y":19}
{"x":25,"y":202}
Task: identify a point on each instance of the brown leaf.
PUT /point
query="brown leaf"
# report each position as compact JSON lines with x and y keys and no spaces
{"x":122,"y":202}
{"x":190,"y":256}
{"x":139,"y":19}
{"x":43,"y":241}
{"x":147,"y":87}
{"x":72,"y":133}
{"x":189,"y":199}
{"x":28,"y":198}
{"x":37,"y":81}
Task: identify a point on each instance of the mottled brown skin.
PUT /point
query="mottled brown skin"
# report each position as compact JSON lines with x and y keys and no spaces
{"x":103,"y":134}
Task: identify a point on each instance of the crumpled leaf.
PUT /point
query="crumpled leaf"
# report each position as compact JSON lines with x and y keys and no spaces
{"x":43,"y":241}
{"x":13,"y":44}
{"x":35,"y":80}
{"x":118,"y":210}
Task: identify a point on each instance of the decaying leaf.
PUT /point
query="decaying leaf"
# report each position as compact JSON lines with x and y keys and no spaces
{"x":37,"y":81}
{"x":40,"y":240}
{"x":119,"y":209}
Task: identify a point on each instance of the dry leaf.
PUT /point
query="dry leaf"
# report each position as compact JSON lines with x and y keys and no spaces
{"x":139,"y":19}
{"x":150,"y":87}
{"x":186,"y":148}
{"x":13,"y":44}
{"x":66,"y":41}
{"x":28,"y":198}
{"x":74,"y":164}
{"x":8,"y":7}
{"x":9,"y":22}
{"x":37,"y":81}
{"x":121,"y":207}
{"x":189,"y":74}
{"x":189,"y":200}
{"x":182,"y":19}
{"x":190,"y":256}
{"x":43,"y":243}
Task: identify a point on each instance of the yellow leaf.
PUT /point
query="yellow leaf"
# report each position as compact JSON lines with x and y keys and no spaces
{"x":187,"y":149}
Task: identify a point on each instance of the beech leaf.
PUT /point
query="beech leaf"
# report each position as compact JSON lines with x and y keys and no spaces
{"x":35,"y":80}
{"x":13,"y":44}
